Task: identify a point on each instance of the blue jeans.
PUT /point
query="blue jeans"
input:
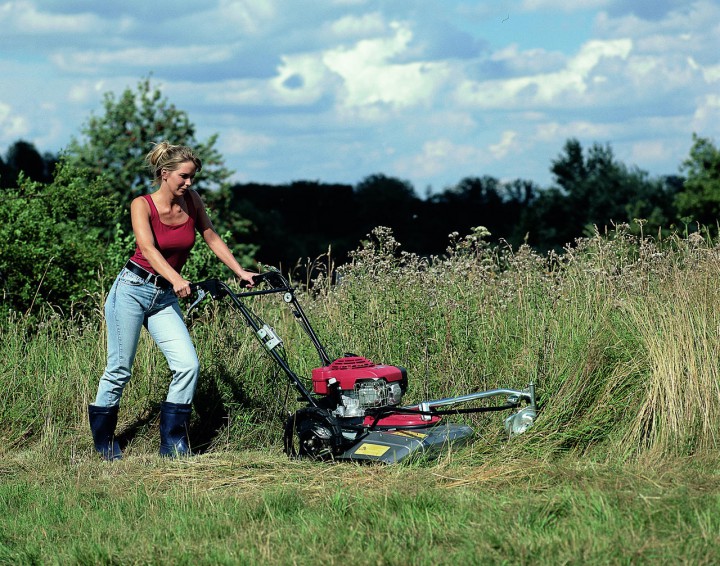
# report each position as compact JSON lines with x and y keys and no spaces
{"x":131,"y":304}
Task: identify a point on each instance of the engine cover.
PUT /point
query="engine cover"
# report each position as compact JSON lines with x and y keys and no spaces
{"x":349,"y":370}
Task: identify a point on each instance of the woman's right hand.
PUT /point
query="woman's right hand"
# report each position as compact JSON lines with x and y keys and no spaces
{"x":182,"y":288}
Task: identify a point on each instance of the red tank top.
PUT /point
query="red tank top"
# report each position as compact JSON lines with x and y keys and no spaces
{"x":173,"y":241}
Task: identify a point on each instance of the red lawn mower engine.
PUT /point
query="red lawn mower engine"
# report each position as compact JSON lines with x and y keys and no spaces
{"x":360,"y":417}
{"x":357,"y":384}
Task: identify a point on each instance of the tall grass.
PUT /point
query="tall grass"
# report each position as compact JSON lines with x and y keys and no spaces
{"x":618,"y":333}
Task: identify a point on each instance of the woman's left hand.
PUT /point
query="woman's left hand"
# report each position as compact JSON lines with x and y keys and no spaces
{"x":247,"y":276}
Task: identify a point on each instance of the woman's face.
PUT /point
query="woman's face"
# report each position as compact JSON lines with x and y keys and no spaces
{"x":179,"y":180}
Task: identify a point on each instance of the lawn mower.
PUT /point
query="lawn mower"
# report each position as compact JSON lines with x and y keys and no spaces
{"x":354,"y":411}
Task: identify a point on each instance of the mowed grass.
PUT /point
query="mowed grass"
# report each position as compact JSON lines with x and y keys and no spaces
{"x":620,"y":335}
{"x":259,"y":508}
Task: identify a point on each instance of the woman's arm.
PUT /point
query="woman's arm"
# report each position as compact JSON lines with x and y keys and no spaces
{"x":204,"y":225}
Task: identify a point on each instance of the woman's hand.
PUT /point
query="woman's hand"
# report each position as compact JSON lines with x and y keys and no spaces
{"x":246,"y":276}
{"x":182,"y":288}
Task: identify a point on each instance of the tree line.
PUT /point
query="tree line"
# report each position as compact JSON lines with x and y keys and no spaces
{"x":64,"y":222}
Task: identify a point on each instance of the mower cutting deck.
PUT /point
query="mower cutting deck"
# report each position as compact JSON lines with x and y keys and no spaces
{"x":354,"y":411}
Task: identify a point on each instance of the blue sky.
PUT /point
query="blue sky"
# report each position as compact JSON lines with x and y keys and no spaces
{"x":430,"y":91}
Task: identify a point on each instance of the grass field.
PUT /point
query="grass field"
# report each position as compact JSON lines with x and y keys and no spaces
{"x":255,"y":507}
{"x":619,"y":334}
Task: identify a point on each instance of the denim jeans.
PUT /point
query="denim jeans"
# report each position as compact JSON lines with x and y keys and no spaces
{"x":131,"y":304}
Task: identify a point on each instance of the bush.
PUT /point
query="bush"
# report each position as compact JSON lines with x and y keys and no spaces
{"x":53,"y":239}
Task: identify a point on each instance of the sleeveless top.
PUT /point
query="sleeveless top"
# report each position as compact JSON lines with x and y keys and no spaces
{"x":173,"y":241}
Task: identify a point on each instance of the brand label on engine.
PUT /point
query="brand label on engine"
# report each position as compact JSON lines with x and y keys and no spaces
{"x":368,"y":449}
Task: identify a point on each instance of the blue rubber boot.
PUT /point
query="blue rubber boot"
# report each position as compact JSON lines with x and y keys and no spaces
{"x":174,"y":420}
{"x":103,"y":421}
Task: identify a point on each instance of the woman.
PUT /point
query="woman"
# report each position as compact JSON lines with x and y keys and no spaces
{"x":146,"y":293}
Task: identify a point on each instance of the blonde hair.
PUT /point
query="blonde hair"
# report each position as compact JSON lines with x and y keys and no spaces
{"x":169,"y":157}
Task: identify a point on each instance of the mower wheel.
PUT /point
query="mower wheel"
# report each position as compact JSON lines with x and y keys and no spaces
{"x":312,"y":433}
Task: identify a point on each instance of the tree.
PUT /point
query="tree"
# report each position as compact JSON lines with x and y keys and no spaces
{"x":699,"y":200}
{"x":116,"y":143}
{"x":294,"y":221}
{"x":520,"y":197}
{"x":51,"y":248}
{"x":478,"y":201}
{"x":379,"y":190}
{"x":386,"y":201}
{"x":656,"y":205}
{"x":593,"y":183}
{"x":544,"y":224}
{"x":594,"y":189}
{"x":23,"y":157}
{"x":7,"y":176}
{"x":474,"y":201}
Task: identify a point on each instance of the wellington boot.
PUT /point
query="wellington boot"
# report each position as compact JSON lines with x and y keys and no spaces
{"x":103,"y":421}
{"x":174,"y":421}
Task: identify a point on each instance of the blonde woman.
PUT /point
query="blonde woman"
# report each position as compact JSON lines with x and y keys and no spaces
{"x":146,"y":293}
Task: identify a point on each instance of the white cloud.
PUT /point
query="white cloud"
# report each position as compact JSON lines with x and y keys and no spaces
{"x":556,"y":132}
{"x":647,"y":151}
{"x":240,"y":143}
{"x":237,"y":92}
{"x":142,"y":57}
{"x":686,"y":22}
{"x":545,"y":89}
{"x":302,"y":79}
{"x":370,"y":76}
{"x":507,"y":143}
{"x":83,"y":92}
{"x":352,"y":26}
{"x":440,"y":156}
{"x":23,"y":17}
{"x":12,"y":126}
{"x":711,"y":73}
{"x":528,"y":61}
{"x":594,"y":51}
{"x":359,"y":77}
{"x":563,"y":5}
{"x":250,"y":15}
{"x":706,"y":119}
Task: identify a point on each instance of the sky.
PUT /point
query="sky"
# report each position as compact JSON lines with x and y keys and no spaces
{"x":428,"y":91}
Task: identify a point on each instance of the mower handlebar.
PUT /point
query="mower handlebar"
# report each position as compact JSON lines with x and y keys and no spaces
{"x":217,"y":288}
{"x":272,"y":277}
{"x":211,"y":286}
